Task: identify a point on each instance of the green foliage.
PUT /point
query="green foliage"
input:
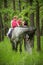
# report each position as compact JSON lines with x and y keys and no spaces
{"x":25,"y":14}
{"x":27,"y":9}
{"x":9,"y":13}
{"x":10,"y":57}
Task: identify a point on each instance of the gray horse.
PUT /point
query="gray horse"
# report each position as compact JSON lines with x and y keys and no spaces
{"x":18,"y":35}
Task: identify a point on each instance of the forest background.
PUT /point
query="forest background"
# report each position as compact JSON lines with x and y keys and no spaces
{"x":32,"y":11}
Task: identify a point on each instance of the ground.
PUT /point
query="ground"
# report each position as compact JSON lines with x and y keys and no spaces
{"x":10,"y":57}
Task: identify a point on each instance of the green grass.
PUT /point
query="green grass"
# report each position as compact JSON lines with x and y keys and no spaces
{"x":10,"y":57}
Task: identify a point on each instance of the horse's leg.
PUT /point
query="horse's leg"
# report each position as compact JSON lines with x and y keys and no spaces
{"x":26,"y":36}
{"x":16,"y":46}
{"x":25,"y":42}
{"x":13,"y":45}
{"x":20,"y":46}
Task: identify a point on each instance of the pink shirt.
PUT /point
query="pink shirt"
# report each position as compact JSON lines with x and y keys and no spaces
{"x":19,"y":22}
{"x":15,"y":23}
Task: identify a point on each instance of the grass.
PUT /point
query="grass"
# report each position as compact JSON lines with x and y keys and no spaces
{"x":10,"y":57}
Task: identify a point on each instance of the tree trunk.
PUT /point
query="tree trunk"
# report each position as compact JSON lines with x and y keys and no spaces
{"x":32,"y":24}
{"x":42,"y":27}
{"x":5,"y":16}
{"x":38,"y":26}
{"x":20,"y":5}
{"x":30,"y":1}
{"x":5,"y":3}
{"x":14,"y":5}
{"x":5,"y":23}
{"x":32,"y":20}
{"x":1,"y":28}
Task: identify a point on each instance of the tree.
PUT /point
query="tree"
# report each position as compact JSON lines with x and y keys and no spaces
{"x":42,"y":27}
{"x":30,"y":1}
{"x":1,"y":23}
{"x":32,"y":24}
{"x":5,"y":3}
{"x":38,"y":25}
{"x":1,"y":28}
{"x":20,"y":5}
{"x":14,"y":5}
{"x":5,"y":16}
{"x":31,"y":20}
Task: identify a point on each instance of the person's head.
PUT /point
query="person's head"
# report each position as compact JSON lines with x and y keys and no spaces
{"x":19,"y":21}
{"x":15,"y":17}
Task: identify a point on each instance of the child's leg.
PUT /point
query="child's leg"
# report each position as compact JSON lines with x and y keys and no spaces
{"x":9,"y":32}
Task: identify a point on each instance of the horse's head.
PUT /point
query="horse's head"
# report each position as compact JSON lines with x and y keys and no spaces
{"x":31,"y":33}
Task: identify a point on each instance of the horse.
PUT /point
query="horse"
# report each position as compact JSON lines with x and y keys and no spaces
{"x":18,"y":34}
